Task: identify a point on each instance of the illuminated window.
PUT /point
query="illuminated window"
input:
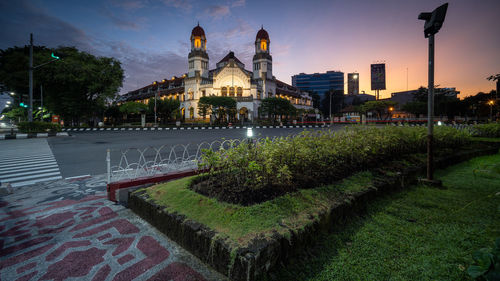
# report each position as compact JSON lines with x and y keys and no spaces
{"x":263,"y":45}
{"x":224,"y":91}
{"x":231,"y":91}
{"x":197,"y":42}
{"x":239,"y":91}
{"x":191,"y":113}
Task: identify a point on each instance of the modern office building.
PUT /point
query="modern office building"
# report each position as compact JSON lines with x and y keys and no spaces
{"x":352,"y":83}
{"x":319,"y":83}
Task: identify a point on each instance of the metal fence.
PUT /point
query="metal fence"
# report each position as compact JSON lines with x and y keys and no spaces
{"x":133,"y":163}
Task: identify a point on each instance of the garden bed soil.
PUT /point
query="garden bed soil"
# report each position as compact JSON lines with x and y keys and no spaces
{"x":265,"y":252}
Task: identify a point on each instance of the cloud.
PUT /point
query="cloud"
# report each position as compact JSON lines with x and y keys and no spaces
{"x":238,"y":3}
{"x":141,"y":67}
{"x":180,"y":4}
{"x":218,"y":11}
{"x":129,"y":4}
{"x":123,"y":23}
{"x":19,"y":18}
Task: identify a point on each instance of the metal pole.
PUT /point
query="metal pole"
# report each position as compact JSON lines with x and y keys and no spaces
{"x":155,"y":102}
{"x":330,"y":107}
{"x":41,"y":102}
{"x":30,"y":109}
{"x":108,"y":165}
{"x":430,"y":112}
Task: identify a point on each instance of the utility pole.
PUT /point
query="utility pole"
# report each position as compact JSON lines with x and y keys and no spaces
{"x":30,"y":109}
{"x":433,"y":22}
{"x":430,"y":112}
{"x":156,"y":94}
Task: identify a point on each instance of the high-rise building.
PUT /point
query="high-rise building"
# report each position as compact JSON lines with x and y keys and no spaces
{"x":352,"y":83}
{"x":319,"y":83}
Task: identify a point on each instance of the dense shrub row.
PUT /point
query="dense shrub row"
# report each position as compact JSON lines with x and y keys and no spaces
{"x":38,"y":127}
{"x":262,"y":170}
{"x":490,"y":130}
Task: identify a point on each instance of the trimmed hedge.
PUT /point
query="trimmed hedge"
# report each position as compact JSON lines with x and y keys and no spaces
{"x":490,"y":130}
{"x":249,"y":174}
{"x":38,"y":127}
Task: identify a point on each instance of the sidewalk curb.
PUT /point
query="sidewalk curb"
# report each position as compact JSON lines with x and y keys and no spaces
{"x":185,"y":128}
{"x":32,"y":135}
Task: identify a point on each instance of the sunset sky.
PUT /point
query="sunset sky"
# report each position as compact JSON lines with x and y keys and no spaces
{"x":151,"y":37}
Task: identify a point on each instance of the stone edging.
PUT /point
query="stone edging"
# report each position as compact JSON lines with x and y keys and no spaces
{"x":185,"y":128}
{"x":32,"y":135}
{"x":263,"y":255}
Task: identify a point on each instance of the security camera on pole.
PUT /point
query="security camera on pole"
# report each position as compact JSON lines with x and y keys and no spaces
{"x":433,"y":22}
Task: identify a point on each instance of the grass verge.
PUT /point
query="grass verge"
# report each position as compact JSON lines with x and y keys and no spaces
{"x":242,"y":223}
{"x":421,"y":233}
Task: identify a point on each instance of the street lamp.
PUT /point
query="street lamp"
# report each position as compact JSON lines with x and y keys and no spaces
{"x":491,"y":103}
{"x":433,"y":22}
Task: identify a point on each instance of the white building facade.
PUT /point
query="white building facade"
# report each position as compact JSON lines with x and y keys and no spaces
{"x":229,"y":78}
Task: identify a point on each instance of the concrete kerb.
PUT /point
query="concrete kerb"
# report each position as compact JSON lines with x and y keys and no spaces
{"x":189,"y":128}
{"x":33,"y":135}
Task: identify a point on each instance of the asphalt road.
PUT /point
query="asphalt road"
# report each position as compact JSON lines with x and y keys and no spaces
{"x":85,"y":152}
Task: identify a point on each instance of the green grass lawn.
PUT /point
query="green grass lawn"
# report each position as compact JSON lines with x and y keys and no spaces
{"x":239,"y":224}
{"x":422,"y":233}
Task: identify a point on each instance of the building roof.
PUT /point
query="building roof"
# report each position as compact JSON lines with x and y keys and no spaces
{"x":230,"y":56}
{"x":198,"y":31}
{"x":283,"y":88}
{"x":262,"y":34}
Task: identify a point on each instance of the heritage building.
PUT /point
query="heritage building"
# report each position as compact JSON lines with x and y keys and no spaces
{"x":229,"y":78}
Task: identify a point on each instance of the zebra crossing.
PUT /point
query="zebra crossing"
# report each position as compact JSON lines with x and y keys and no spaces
{"x":25,"y":162}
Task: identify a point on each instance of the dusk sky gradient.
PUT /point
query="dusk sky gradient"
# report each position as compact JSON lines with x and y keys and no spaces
{"x":151,"y":37}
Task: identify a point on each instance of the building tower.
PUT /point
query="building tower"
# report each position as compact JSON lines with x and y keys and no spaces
{"x":198,"y":57}
{"x":262,"y":60}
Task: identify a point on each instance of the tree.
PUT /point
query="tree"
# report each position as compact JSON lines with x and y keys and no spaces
{"x":415,"y":107}
{"x":219,"y":107}
{"x":380,"y":107}
{"x":133,"y":107}
{"x":273,"y":107}
{"x":337,"y":100}
{"x":164,"y":108}
{"x":76,"y":87}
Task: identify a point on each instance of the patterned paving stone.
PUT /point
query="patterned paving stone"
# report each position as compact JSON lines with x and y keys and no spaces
{"x":69,"y":230}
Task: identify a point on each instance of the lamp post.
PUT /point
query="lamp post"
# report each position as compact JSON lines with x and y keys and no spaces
{"x":491,"y":103}
{"x":433,"y":22}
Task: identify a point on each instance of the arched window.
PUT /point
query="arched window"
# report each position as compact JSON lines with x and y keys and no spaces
{"x":231,"y":91}
{"x":263,"y":45}
{"x":191,"y":113}
{"x":259,"y":95}
{"x":190,"y":95}
{"x":224,"y":91}
{"x":240,"y":92}
{"x":197,"y":42}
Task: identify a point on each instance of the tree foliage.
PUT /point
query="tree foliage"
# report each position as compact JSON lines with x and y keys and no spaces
{"x":415,"y":107}
{"x":380,"y":107}
{"x":273,"y":107}
{"x":218,"y":106}
{"x":165,"y":109}
{"x":76,"y":87}
{"x":133,"y":107}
